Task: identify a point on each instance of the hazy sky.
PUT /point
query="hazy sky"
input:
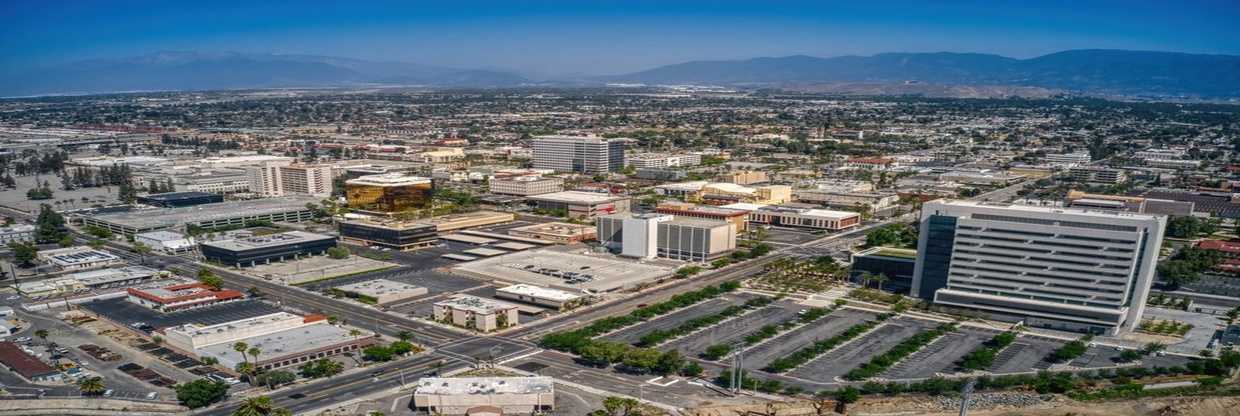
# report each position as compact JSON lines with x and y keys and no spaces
{"x":603,"y":37}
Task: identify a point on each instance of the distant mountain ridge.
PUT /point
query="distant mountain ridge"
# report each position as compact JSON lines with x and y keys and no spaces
{"x":179,"y":71}
{"x":1096,"y":71}
{"x":1090,"y":70}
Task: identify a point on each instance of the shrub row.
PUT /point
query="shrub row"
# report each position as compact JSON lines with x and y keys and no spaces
{"x":984,"y":356}
{"x":717,"y":351}
{"x":1071,"y":350}
{"x":818,"y":348}
{"x":905,"y":348}
{"x":658,"y":336}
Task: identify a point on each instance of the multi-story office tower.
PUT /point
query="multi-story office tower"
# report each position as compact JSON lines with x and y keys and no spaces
{"x":389,"y":193}
{"x":526,"y":185}
{"x":265,"y":178}
{"x":591,"y":155}
{"x":1050,"y":267}
{"x":313,"y":180}
{"x":658,"y":235}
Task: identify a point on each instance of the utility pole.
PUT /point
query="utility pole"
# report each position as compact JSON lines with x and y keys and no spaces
{"x":964,"y":397}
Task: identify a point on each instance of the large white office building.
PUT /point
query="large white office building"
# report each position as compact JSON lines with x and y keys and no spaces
{"x":1049,"y":267}
{"x":583,"y":154}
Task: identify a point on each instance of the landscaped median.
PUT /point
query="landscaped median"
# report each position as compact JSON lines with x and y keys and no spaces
{"x":806,"y":354}
{"x":717,"y":351}
{"x":984,"y":356}
{"x":658,"y":336}
{"x":905,"y":348}
{"x":604,"y":353}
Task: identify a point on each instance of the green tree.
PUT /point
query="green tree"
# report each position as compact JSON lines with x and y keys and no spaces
{"x":66,"y":241}
{"x":275,"y":378}
{"x":338,"y":253}
{"x":321,"y":368}
{"x":24,"y":254}
{"x":207,"y":277}
{"x":49,"y":225}
{"x":142,"y":250}
{"x":200,"y":393}
{"x":620,"y":406}
{"x":377,"y":353}
{"x":846,"y":396}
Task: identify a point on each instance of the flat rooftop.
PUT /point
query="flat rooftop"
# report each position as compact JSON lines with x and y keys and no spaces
{"x":484,"y":385}
{"x":120,"y":274}
{"x":607,"y":272}
{"x":475,"y":304}
{"x":77,"y":255}
{"x":195,"y":329}
{"x":539,"y":292}
{"x":1045,"y":210}
{"x":380,"y":287}
{"x":170,"y":217}
{"x":272,"y":240}
{"x":281,"y":343}
{"x":389,"y":179}
{"x":577,"y":197}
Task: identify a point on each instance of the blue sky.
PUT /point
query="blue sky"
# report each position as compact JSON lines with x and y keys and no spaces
{"x":603,"y":37}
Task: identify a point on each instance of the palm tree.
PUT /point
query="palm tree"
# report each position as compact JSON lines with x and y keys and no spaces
{"x":255,"y":406}
{"x":355,"y":333}
{"x":42,"y":334}
{"x":91,"y":386}
{"x":254,"y":352}
{"x":880,"y":278}
{"x":241,"y":347}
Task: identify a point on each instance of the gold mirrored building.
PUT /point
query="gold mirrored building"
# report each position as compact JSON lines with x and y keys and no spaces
{"x":389,"y":193}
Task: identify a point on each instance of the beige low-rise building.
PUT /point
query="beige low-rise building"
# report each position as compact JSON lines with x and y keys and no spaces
{"x":473,"y":312}
{"x":381,"y":291}
{"x":485,"y":396}
{"x":557,"y":232}
{"x":541,"y":296}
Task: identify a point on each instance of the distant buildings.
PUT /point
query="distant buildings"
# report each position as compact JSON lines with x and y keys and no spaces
{"x":869,"y":163}
{"x":485,"y":395}
{"x":477,"y":313}
{"x":660,"y":235}
{"x":117,"y":277}
{"x":1049,"y":267}
{"x":16,"y":233}
{"x":589,"y":155}
{"x":871,"y":202}
{"x":1068,"y":159}
{"x":314,"y":180}
{"x":526,"y":185}
{"x":389,"y":193}
{"x":723,"y":193}
{"x":1096,"y":174}
{"x":745,"y":177}
{"x":1078,"y":199}
{"x":263,"y":249}
{"x":663,"y":160}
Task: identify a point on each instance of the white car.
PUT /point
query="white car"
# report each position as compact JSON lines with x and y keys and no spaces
{"x":14,"y":297}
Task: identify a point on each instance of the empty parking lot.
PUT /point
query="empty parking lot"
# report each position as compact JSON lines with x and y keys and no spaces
{"x":859,"y":351}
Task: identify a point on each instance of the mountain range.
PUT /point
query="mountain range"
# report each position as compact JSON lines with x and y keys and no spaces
{"x":1092,"y":71}
{"x":1087,"y":71}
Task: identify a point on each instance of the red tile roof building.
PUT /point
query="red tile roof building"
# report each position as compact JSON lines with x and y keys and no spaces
{"x":28,"y":366}
{"x":181,"y":297}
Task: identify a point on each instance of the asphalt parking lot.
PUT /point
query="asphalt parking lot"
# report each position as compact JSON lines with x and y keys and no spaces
{"x":1025,"y":354}
{"x":941,"y":355}
{"x":734,"y":330}
{"x":791,"y":236}
{"x":633,"y":333}
{"x":859,"y":351}
{"x":125,"y":312}
{"x":789,"y":342}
